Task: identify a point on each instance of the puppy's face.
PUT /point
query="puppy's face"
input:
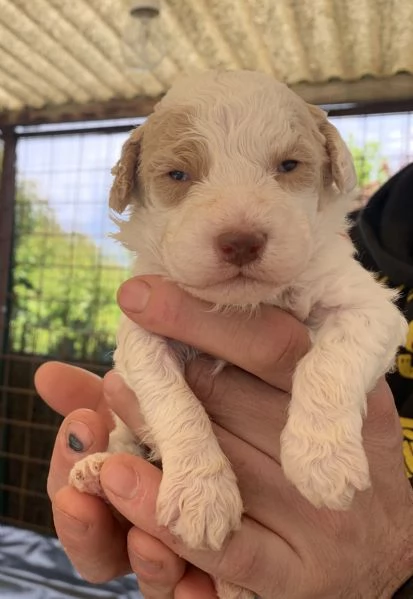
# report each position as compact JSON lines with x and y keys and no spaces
{"x":226,"y":181}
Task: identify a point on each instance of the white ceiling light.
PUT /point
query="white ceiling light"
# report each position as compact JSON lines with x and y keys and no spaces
{"x":143,"y":38}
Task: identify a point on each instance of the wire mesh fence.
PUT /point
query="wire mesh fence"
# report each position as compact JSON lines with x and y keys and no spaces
{"x":65,"y":273}
{"x":381,"y":145}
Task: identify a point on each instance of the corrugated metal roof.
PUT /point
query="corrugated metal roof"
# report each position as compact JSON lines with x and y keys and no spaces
{"x":57,"y":52}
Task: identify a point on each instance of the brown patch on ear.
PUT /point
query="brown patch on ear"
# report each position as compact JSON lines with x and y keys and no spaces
{"x":342,"y":169}
{"x":125,"y":185}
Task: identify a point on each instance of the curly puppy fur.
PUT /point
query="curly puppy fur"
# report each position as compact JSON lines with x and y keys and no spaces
{"x":230,"y":135}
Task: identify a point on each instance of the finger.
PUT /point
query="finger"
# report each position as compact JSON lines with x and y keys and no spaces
{"x":234,"y":397}
{"x":157,"y":567}
{"x":66,"y":388}
{"x":382,"y":435}
{"x":268,"y":344}
{"x":132,"y":486}
{"x":152,"y":591}
{"x":195,"y":583}
{"x":122,"y":400}
{"x":82,"y":432}
{"x":267,"y":496}
{"x":93,"y":539}
{"x":236,"y":392}
{"x":254,"y":451}
{"x":226,"y":396}
{"x":382,"y":418}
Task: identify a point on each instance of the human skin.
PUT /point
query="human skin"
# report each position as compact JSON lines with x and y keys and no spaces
{"x":285,"y":548}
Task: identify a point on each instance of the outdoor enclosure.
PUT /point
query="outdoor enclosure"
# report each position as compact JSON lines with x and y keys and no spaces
{"x":63,"y":120}
{"x":60,"y":292}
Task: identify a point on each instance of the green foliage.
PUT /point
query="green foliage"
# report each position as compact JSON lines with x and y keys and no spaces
{"x":64,"y":288}
{"x":368,"y":160}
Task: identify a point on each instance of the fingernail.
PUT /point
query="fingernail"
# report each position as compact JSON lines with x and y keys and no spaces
{"x":144,"y":566}
{"x":121,"y":480}
{"x":134,"y":295}
{"x":79,"y":436}
{"x":74,"y":443}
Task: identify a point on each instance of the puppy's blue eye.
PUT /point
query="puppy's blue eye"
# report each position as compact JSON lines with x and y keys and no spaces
{"x":287,"y":166}
{"x":178,"y":175}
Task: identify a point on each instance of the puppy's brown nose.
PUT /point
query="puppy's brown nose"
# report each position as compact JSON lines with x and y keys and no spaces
{"x":240,"y":248}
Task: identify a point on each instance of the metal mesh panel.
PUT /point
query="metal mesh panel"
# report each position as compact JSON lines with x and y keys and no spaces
{"x":65,"y":275}
{"x":381,"y":145}
{"x":66,"y":270}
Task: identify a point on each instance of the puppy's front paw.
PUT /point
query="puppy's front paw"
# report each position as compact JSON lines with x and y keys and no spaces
{"x":326,"y":468}
{"x":227,"y":590}
{"x":85,"y":475}
{"x":200,"y":504}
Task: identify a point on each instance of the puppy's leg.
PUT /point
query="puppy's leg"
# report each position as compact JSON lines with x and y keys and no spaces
{"x":227,"y":590}
{"x":85,"y":474}
{"x":199,"y":499}
{"x":321,"y":446}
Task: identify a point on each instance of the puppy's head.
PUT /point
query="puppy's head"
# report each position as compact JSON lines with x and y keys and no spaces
{"x":227,"y":183}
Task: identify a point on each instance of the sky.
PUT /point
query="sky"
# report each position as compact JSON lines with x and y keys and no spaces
{"x":394,"y":132}
{"x":72,"y":171}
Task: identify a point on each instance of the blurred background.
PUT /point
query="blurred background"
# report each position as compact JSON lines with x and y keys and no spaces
{"x":75,"y":77}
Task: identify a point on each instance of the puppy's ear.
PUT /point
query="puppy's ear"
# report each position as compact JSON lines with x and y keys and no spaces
{"x":341,"y":161}
{"x":125,"y":186}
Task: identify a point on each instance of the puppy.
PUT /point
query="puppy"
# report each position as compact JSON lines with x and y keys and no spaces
{"x":238,"y":191}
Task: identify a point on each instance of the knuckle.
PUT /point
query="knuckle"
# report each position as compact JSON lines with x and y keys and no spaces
{"x":152,"y":590}
{"x":165,"y":312}
{"x":200,"y":378}
{"x":261,"y":353}
{"x":96,"y":569}
{"x":278,"y":349}
{"x":92,"y":576}
{"x":295,"y":345}
{"x":164,"y":317}
{"x":239,"y":562}
{"x":95,"y":573}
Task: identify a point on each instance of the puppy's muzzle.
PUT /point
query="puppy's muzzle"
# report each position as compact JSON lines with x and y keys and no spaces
{"x":240,"y":248}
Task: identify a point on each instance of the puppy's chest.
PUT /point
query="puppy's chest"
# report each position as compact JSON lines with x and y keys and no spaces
{"x":297,"y":302}
{"x":183,"y":353}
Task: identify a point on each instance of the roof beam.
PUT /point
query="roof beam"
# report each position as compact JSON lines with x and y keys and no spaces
{"x":367,"y":90}
{"x":397,"y":89}
{"x":91,"y":111}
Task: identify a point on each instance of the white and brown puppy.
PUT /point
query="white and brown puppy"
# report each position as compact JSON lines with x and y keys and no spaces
{"x":237,"y":191}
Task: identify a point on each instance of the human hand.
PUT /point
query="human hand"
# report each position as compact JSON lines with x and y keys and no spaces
{"x":99,"y":548}
{"x":99,"y":545}
{"x":286,"y":548}
{"x":252,"y":345}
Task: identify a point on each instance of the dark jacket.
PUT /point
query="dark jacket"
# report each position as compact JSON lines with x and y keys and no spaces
{"x":383,"y":235}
